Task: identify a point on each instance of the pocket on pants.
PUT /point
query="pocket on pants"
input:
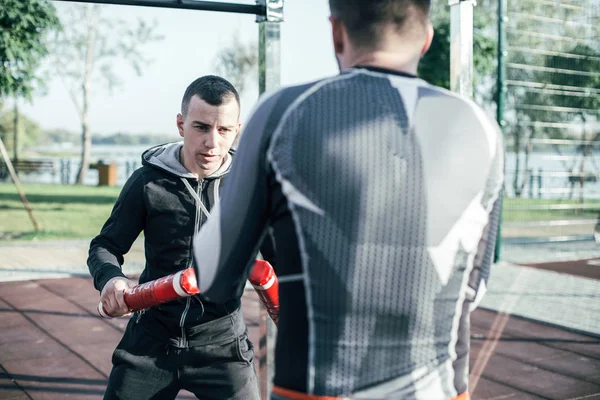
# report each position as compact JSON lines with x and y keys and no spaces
{"x":245,"y":348}
{"x":135,"y":345}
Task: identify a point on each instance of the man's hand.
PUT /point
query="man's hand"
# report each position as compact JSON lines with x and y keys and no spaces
{"x":112,"y":297}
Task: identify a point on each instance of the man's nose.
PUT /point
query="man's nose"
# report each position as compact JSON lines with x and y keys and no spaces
{"x":212,"y":139}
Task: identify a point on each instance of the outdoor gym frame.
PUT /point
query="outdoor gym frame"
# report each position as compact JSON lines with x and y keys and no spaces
{"x":269,"y":15}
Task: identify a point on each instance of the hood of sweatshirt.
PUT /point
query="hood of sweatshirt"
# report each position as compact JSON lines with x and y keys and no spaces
{"x":166,"y":158}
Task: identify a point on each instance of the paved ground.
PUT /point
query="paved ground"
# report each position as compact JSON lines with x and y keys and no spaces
{"x":537,"y":338}
{"x":54,"y":346}
{"x":521,"y":253}
{"x":49,"y":259}
{"x":531,"y":360}
{"x":56,"y":259}
{"x":562,"y":299}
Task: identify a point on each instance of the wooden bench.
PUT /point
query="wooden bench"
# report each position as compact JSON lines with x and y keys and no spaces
{"x":578,"y":178}
{"x":29,"y":166}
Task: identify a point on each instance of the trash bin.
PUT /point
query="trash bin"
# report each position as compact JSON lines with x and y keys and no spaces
{"x":107,"y":174}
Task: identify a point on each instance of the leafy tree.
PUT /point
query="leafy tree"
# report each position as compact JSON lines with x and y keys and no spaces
{"x":435,"y":65}
{"x":23,"y":25}
{"x":29,"y":131}
{"x":84,"y":54}
{"x":59,"y":136}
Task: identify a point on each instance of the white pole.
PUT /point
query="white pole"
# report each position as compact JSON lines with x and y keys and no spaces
{"x":461,"y":46}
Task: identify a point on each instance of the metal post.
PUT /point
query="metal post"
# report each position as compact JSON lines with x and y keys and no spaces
{"x":269,"y":79}
{"x":540,"y":189}
{"x":461,"y":46}
{"x":269,"y":46}
{"x":16,"y":136}
{"x":501,"y":91}
{"x":500,"y":98}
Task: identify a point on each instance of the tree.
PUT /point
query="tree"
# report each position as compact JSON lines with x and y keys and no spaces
{"x":84,"y":53}
{"x":29,"y":131}
{"x":236,"y":62}
{"x":435,"y":65}
{"x":24,"y":25}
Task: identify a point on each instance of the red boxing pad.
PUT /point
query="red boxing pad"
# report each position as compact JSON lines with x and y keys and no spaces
{"x":163,"y":290}
{"x":264,"y":281}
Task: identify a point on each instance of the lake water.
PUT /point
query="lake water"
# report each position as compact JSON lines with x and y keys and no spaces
{"x":127,"y":158}
{"x":554,"y":169}
{"x":560,"y":175}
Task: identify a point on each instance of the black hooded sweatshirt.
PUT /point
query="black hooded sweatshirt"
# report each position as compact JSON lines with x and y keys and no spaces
{"x":169,"y":204}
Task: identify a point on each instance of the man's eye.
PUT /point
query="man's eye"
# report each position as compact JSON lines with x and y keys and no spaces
{"x":201,"y":127}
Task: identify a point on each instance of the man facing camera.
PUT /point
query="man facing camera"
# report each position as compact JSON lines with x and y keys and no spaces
{"x":193,"y":344}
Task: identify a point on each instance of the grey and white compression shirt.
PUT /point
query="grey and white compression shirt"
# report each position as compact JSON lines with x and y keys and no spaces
{"x":382,"y":194}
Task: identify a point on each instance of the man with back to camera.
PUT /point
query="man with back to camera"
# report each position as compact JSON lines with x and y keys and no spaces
{"x":383,"y":195}
{"x":191,"y":344}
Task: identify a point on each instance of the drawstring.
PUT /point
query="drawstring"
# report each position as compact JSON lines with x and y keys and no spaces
{"x":196,"y":197}
{"x":206,"y":213}
{"x":201,"y":305}
{"x":214,"y":197}
{"x":139,"y":315}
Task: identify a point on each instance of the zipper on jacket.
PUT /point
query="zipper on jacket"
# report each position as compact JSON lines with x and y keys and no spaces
{"x":197,"y":218}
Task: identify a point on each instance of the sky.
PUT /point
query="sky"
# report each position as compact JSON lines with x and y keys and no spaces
{"x":150,"y":103}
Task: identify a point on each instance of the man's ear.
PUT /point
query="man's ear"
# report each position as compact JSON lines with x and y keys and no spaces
{"x":238,"y":134}
{"x":428,"y":39}
{"x":337,"y":34}
{"x":180,"y":122}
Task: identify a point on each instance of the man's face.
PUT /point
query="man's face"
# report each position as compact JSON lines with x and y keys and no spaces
{"x":208,"y":133}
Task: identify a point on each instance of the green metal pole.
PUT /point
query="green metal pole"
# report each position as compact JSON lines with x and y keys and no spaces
{"x":501,"y":96}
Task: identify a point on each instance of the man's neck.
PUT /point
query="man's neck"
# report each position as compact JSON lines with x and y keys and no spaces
{"x":394,"y":61}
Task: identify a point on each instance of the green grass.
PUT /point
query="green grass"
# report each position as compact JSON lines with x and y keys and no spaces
{"x":62,"y":211}
{"x":74,"y":212}
{"x":518,"y":209}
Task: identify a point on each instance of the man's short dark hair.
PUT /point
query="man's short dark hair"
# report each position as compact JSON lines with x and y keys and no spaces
{"x":363,"y":18}
{"x":212,"y":89}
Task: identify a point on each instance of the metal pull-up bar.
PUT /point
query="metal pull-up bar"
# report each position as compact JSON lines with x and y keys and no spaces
{"x":186,"y":5}
{"x":265,"y":10}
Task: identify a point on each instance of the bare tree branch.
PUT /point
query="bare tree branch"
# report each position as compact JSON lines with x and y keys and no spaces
{"x":85,"y":53}
{"x":236,"y":62}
